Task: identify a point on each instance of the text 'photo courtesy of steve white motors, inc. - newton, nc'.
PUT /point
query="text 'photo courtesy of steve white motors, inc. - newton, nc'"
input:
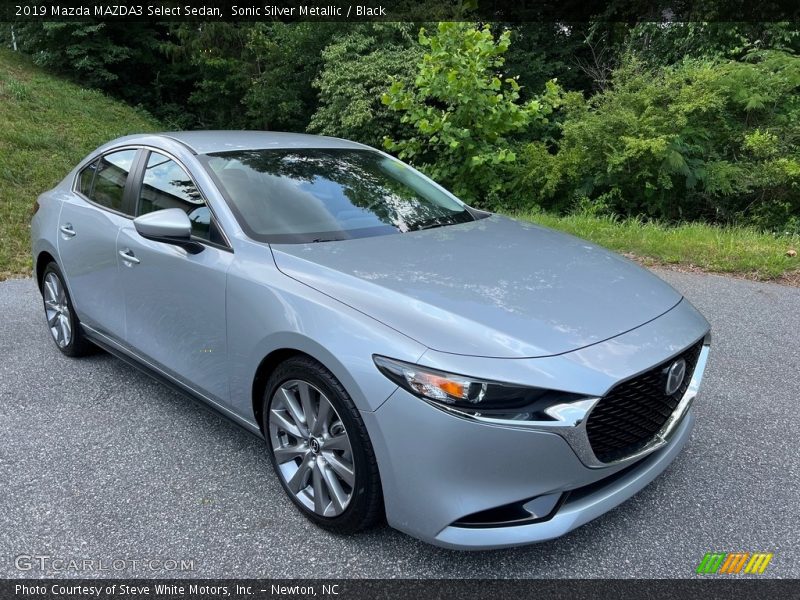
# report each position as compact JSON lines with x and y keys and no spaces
{"x":171,"y":11}
{"x":194,"y":590}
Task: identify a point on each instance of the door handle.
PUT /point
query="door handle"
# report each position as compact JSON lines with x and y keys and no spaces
{"x":128,"y":257}
{"x":67,"y":230}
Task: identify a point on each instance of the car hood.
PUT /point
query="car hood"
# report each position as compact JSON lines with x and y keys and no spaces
{"x":495,"y":287}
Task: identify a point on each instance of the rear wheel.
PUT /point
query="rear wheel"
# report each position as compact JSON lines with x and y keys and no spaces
{"x":60,"y":314}
{"x":319,"y":447}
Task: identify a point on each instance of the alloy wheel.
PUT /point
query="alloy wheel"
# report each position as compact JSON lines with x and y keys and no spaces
{"x":56,"y":307}
{"x":312,"y":448}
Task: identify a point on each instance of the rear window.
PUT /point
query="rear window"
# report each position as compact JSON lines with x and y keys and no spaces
{"x":103,"y":181}
{"x":86,"y":179}
{"x":319,"y":195}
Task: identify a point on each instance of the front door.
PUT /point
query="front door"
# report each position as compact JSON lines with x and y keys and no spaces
{"x":174,"y":300}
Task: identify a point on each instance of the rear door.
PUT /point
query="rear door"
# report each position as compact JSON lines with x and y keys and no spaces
{"x":175,"y":301}
{"x":88,"y":227}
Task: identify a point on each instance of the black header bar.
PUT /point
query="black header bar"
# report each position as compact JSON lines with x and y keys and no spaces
{"x":403,"y":10}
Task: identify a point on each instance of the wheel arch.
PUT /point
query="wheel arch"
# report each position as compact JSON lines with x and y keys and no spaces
{"x":347,"y":362}
{"x":44,"y":258}
{"x":265,"y":368}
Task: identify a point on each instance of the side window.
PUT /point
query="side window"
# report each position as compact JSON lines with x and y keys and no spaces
{"x":167,"y":185}
{"x":110,"y":176}
{"x":86,"y":178}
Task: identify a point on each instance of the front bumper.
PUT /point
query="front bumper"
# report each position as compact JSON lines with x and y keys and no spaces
{"x":439,"y":470}
{"x":436,"y":469}
{"x":580,"y":506}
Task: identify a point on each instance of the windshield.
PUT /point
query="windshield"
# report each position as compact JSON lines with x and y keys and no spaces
{"x":319,"y":195}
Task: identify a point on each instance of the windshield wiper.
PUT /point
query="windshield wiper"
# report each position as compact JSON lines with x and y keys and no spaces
{"x":429,"y":224}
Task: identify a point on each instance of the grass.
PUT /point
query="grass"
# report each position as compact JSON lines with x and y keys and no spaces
{"x":695,"y":246}
{"x":47,"y":125}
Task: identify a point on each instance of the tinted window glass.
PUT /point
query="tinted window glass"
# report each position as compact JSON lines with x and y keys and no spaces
{"x":109,"y":181}
{"x":167,"y":185}
{"x":86,"y":179}
{"x":312,"y":195}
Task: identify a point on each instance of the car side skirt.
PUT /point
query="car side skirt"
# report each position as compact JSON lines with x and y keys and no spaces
{"x":129,"y":357}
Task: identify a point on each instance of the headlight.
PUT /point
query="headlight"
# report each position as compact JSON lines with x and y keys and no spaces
{"x":472,"y":395}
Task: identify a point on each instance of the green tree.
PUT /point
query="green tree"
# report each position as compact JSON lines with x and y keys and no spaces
{"x":286,"y":58}
{"x":91,"y":52}
{"x":704,"y":139}
{"x":220,"y":68}
{"x":358,"y":68}
{"x":463,"y":112}
{"x":545,"y":51}
{"x":662,"y":44}
{"x":123,"y":59}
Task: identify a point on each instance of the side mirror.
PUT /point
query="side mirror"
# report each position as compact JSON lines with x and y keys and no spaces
{"x":169,"y":226}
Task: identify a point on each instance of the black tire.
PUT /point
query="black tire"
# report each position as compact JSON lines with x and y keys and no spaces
{"x":78,"y":345}
{"x":365,"y":507}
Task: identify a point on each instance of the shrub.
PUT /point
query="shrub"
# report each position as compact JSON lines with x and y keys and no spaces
{"x":703,"y":139}
{"x":462,"y":112}
{"x":357,"y":69}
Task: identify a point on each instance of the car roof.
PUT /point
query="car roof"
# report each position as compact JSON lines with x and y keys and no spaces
{"x":204,"y":142}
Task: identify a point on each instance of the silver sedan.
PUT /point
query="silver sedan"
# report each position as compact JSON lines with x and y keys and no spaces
{"x":477,"y":381}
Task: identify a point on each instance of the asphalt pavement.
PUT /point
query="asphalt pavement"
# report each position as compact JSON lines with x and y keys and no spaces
{"x":98,"y":462}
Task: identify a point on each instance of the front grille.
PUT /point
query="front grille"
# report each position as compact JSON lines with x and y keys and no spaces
{"x":628,"y":417}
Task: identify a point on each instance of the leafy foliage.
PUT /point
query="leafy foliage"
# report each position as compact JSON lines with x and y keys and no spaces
{"x":287,"y":59}
{"x":119,"y":58}
{"x":706,"y":139}
{"x":218,"y":56}
{"x":358,"y":68}
{"x":462,"y":110}
{"x":660,"y":44}
{"x":577,"y":55}
{"x":673,"y":121}
{"x":92,"y":51}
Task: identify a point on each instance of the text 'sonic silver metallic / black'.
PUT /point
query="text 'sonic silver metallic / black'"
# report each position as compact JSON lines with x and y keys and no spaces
{"x":479,"y":381}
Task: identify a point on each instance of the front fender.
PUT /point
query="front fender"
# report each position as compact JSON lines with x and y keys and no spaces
{"x":269,"y":311}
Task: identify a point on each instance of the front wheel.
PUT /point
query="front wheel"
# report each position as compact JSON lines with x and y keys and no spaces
{"x":320,"y":448}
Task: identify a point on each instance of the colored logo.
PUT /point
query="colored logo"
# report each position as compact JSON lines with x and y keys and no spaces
{"x":732,"y":563}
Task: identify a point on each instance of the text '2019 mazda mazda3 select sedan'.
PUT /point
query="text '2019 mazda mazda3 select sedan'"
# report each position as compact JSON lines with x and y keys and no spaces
{"x":481,"y":381}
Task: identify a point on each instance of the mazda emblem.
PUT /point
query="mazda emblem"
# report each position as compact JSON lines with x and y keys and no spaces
{"x":675,"y":375}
